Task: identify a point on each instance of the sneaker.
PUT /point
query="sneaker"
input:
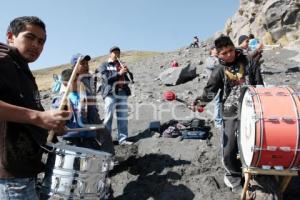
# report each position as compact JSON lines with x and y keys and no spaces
{"x":233,"y":182}
{"x":125,"y":142}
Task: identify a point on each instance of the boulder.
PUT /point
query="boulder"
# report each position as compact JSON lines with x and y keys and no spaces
{"x":293,"y":70}
{"x":178,"y":75}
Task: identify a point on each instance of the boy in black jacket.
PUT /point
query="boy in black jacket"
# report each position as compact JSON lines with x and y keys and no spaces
{"x":234,"y":72}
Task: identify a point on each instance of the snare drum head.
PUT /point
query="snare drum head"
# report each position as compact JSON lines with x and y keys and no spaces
{"x":247,"y":129}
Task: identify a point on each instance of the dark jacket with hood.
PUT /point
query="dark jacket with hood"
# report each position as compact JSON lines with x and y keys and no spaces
{"x":220,"y":80}
{"x":20,"y":151}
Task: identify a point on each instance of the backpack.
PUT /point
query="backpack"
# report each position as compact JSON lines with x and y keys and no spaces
{"x":194,"y":134}
{"x":57,"y":83}
{"x":253,"y":43}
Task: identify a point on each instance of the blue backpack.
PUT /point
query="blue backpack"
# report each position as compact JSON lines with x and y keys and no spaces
{"x":253,"y":43}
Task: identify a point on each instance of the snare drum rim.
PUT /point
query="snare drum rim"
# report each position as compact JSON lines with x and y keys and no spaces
{"x":67,"y":149}
{"x":296,"y":154}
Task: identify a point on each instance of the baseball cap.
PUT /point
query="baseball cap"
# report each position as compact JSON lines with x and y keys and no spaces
{"x":76,"y":56}
{"x":242,"y":38}
{"x":114,"y":48}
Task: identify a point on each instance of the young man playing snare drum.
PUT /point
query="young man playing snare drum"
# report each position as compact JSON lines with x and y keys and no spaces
{"x":23,"y":121}
{"x":234,"y":71}
{"x":83,"y":115}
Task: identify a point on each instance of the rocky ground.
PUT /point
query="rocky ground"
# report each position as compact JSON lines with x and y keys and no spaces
{"x":160,"y":168}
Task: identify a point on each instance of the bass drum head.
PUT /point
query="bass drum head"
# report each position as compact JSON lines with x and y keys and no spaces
{"x":247,"y":129}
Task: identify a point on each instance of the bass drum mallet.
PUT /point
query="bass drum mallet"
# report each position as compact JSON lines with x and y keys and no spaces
{"x":171,"y":96}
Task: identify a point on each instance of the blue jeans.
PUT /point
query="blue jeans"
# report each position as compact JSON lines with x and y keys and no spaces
{"x":118,"y":102}
{"x":217,"y":114}
{"x":18,"y":189}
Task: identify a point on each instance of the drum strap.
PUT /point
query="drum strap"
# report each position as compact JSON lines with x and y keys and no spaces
{"x":233,"y":74}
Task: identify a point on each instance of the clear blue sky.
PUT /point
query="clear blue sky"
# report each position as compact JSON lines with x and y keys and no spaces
{"x":93,"y":26}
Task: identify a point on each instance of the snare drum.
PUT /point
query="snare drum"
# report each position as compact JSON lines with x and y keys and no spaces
{"x":79,"y":173}
{"x":269,"y":128}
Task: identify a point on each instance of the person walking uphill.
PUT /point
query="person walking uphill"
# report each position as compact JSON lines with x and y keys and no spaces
{"x":234,"y":71}
{"x":23,"y":121}
{"x":211,"y":63}
{"x":115,"y":92}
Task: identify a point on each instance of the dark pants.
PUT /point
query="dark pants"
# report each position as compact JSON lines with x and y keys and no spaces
{"x":230,"y":149}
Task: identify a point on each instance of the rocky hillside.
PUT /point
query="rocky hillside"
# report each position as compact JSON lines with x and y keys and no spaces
{"x":44,"y":76}
{"x":274,"y":21}
{"x":158,"y":168}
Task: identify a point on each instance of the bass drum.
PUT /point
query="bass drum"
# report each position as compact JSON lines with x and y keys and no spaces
{"x":269,"y":128}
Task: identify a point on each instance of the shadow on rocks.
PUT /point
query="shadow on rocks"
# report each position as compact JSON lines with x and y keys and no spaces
{"x":292,"y":192}
{"x":156,"y":187}
{"x":150,"y":183}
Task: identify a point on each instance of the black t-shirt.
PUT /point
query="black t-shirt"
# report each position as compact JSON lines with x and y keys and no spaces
{"x":19,"y":143}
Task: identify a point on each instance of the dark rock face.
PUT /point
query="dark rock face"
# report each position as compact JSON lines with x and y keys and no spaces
{"x":178,"y":75}
{"x":270,"y":20}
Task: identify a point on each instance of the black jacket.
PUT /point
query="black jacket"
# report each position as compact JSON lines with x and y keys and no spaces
{"x":20,"y":152}
{"x":219,"y":81}
{"x":109,"y":78}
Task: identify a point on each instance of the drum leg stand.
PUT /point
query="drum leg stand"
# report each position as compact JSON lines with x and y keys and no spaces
{"x":249,"y":172}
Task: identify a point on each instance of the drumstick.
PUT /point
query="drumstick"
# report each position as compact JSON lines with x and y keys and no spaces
{"x":64,"y":99}
{"x":170,"y":96}
{"x":268,"y":47}
{"x":272,"y":45}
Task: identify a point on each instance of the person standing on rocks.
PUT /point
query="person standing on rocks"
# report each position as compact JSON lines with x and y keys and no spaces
{"x":256,"y":54}
{"x":235,"y":70}
{"x":23,"y":121}
{"x":210,"y":64}
{"x":115,"y":91}
{"x":195,"y":43}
